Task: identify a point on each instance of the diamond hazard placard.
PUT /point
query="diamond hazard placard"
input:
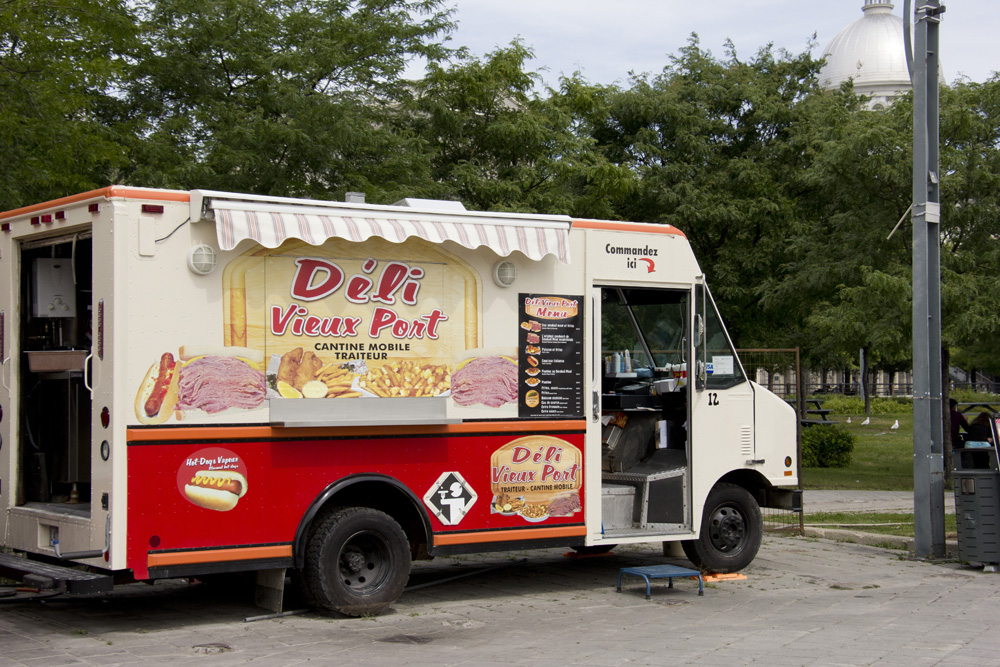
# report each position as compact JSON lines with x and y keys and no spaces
{"x":450,"y":498}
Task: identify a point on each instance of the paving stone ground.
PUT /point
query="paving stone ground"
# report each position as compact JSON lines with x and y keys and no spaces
{"x":805,"y":601}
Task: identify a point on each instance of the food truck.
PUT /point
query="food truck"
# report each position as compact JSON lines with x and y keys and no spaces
{"x":197,"y":383}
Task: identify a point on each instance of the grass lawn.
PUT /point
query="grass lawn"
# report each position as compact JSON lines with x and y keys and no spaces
{"x":874,"y":522}
{"x":883,"y":457}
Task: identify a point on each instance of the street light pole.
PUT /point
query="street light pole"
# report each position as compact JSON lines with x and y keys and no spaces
{"x":928,"y":427}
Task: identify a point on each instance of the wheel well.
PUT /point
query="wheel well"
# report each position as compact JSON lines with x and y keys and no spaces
{"x":378,"y":492}
{"x":752,"y":481}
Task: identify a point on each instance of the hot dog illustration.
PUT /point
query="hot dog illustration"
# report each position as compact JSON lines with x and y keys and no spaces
{"x":217,"y":490}
{"x":157,"y":395}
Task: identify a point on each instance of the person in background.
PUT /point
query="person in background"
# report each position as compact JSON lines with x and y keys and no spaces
{"x":958,"y":421}
{"x":980,"y":434}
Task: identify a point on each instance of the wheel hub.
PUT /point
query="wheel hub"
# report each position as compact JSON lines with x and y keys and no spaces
{"x":728,"y":530}
{"x":365,"y":563}
{"x":353,"y":561}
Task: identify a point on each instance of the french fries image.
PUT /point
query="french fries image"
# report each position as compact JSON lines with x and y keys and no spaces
{"x":338,"y":381}
{"x":407,"y":379}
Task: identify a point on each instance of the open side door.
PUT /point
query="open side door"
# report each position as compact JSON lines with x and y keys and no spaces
{"x":644,"y":410}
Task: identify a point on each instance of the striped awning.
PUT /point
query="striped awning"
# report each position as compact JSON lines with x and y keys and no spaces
{"x":270,"y":221}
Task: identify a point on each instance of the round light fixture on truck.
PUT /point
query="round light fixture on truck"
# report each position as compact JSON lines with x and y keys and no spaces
{"x":504,"y":273}
{"x":202,"y":259}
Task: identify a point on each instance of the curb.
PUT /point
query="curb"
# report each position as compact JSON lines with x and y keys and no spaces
{"x":875,"y":539}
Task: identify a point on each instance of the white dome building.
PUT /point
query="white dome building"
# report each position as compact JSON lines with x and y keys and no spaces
{"x":871,"y":51}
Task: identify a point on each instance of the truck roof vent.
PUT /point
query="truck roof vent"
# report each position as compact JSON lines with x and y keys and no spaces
{"x":354,"y":197}
{"x":431,"y":204}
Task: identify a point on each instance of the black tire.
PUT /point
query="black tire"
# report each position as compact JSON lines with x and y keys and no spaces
{"x":594,"y":549}
{"x":731,"y":531}
{"x":357,"y":562}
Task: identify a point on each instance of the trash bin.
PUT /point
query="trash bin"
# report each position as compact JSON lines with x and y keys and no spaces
{"x":977,"y":506}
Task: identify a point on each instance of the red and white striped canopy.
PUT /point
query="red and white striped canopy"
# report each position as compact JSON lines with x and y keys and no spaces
{"x":270,"y":221}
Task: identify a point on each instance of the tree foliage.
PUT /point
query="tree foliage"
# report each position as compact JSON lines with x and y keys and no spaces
{"x":709,"y":143}
{"x":786,"y":192}
{"x":496,"y":145}
{"x":846,"y":278}
{"x":61,"y":65}
{"x":970,"y":194}
{"x":289,"y":97}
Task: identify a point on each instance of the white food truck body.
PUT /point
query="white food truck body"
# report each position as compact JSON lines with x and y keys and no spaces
{"x":203,"y":382}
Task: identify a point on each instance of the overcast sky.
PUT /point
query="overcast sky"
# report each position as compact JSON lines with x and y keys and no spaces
{"x":605,"y":40}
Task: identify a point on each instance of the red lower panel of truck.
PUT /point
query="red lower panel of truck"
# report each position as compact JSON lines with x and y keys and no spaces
{"x":217,"y":496}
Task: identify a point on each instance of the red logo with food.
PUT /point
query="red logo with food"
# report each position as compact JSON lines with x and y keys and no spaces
{"x":536,"y":477}
{"x":213,"y":478}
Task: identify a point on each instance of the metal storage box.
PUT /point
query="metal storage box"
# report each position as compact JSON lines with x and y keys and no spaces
{"x":617,"y":506}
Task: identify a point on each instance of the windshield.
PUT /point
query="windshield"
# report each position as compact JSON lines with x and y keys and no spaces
{"x":659,"y":317}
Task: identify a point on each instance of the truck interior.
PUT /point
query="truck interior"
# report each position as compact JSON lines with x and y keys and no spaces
{"x":55,"y":339}
{"x":645,"y":411}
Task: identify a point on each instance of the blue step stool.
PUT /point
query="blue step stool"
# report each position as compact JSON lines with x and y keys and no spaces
{"x":667,"y":572}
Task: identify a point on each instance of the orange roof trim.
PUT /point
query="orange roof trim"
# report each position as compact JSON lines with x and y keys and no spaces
{"x":110,"y":192}
{"x":641,"y":227}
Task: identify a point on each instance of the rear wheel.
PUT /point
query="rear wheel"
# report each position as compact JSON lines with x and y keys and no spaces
{"x":357,"y":562}
{"x":731,"y":531}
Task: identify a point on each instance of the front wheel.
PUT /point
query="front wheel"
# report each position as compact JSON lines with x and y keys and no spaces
{"x":731,"y":531}
{"x":357,"y":562}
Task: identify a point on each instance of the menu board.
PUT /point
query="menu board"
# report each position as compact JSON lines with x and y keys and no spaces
{"x":550,"y":351}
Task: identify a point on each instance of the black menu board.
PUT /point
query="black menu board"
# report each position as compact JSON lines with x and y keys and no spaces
{"x":550,"y":357}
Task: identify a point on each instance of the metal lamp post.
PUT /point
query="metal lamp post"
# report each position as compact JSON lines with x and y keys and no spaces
{"x":928,"y":428}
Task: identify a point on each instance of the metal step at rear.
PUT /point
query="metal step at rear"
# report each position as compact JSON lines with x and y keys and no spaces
{"x":53,"y":577}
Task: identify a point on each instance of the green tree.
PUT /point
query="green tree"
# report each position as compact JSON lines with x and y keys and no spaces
{"x":61,"y":119}
{"x":496,"y":145}
{"x":850,"y":281}
{"x":708,"y":143}
{"x":845,"y":280}
{"x":283,"y":97}
{"x":970,"y":198}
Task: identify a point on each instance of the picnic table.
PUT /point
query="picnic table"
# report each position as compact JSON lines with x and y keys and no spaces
{"x":815,"y":415}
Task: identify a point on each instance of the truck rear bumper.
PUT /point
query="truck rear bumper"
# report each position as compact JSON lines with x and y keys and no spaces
{"x":53,"y":577}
